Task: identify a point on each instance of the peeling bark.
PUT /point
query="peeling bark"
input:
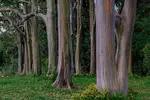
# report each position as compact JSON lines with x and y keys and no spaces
{"x":105,"y":50}
{"x":128,"y":15}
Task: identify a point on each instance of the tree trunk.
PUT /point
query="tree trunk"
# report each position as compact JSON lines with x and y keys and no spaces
{"x":130,"y":60}
{"x":29,"y":48}
{"x":72,"y":29}
{"x":78,"y":37}
{"x":29,"y":42}
{"x":93,"y":42}
{"x":105,"y":50}
{"x":35,"y":43}
{"x":19,"y":53}
{"x":111,"y":72}
{"x":25,"y":57}
{"x":64,"y":60}
{"x":128,"y":16}
{"x":51,"y":35}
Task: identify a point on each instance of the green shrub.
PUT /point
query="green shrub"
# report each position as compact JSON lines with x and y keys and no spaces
{"x":44,"y":62}
{"x":54,"y":75}
{"x":92,"y":93}
{"x":146,"y":60}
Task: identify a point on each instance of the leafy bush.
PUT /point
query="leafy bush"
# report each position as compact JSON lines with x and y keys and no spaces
{"x":146,"y":60}
{"x":141,"y":37}
{"x":11,"y":67}
{"x":92,"y":93}
{"x":44,"y":65}
{"x":54,"y":75}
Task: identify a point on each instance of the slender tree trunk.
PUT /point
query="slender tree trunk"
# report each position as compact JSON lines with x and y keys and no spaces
{"x":105,"y":50}
{"x":19,"y":54}
{"x":28,"y":25}
{"x":93,"y":40}
{"x":59,"y":35}
{"x":130,"y":59}
{"x":72,"y":29}
{"x":64,"y":60}
{"x":35,"y":43}
{"x":25,"y":57}
{"x":26,"y":48}
{"x":128,"y":14}
{"x":51,"y":35}
{"x":78,"y":37}
{"x":29,"y":48}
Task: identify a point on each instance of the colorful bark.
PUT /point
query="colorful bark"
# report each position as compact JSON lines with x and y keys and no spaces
{"x":64,"y":63}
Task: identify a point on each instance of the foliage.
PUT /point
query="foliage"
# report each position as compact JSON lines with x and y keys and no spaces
{"x":146,"y":60}
{"x":92,"y":93}
{"x":141,"y":37}
{"x":44,"y":62}
{"x":8,"y":52}
{"x":54,"y":75}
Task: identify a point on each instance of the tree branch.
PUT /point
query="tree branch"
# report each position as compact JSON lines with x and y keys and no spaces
{"x":42,"y":16}
{"x":23,"y":1}
{"x":7,"y":9}
{"x":2,"y":18}
{"x":12,"y":24}
{"x":24,"y":16}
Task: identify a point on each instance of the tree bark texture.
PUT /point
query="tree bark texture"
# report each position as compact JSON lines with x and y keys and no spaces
{"x":72,"y":29}
{"x":19,"y":54}
{"x":51,"y":35}
{"x":78,"y":37}
{"x":35,"y":43}
{"x":112,"y":69}
{"x":93,"y":38}
{"x":64,"y":60}
{"x":105,"y":50}
{"x":128,"y":18}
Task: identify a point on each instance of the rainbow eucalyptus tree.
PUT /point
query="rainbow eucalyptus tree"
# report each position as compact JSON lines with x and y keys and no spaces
{"x":112,"y":65}
{"x":64,"y":55}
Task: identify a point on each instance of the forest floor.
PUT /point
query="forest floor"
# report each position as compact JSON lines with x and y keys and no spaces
{"x":39,"y":87}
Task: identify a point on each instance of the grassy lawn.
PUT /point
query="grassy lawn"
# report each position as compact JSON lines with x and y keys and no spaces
{"x":39,"y":88}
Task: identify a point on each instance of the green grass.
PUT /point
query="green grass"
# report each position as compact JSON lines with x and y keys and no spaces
{"x":39,"y":88}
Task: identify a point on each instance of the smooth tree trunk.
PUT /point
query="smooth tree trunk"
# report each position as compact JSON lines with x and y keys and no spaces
{"x":64,"y":60}
{"x":93,"y":38}
{"x":25,"y":46}
{"x":128,"y":16}
{"x":25,"y":57}
{"x":29,"y":48}
{"x":130,"y":60}
{"x":35,"y":42}
{"x":72,"y":29}
{"x":112,"y":70}
{"x":19,"y":54}
{"x":78,"y":37}
{"x":29,"y":42}
{"x":26,"y":41}
{"x":51,"y":35}
{"x":105,"y":46}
